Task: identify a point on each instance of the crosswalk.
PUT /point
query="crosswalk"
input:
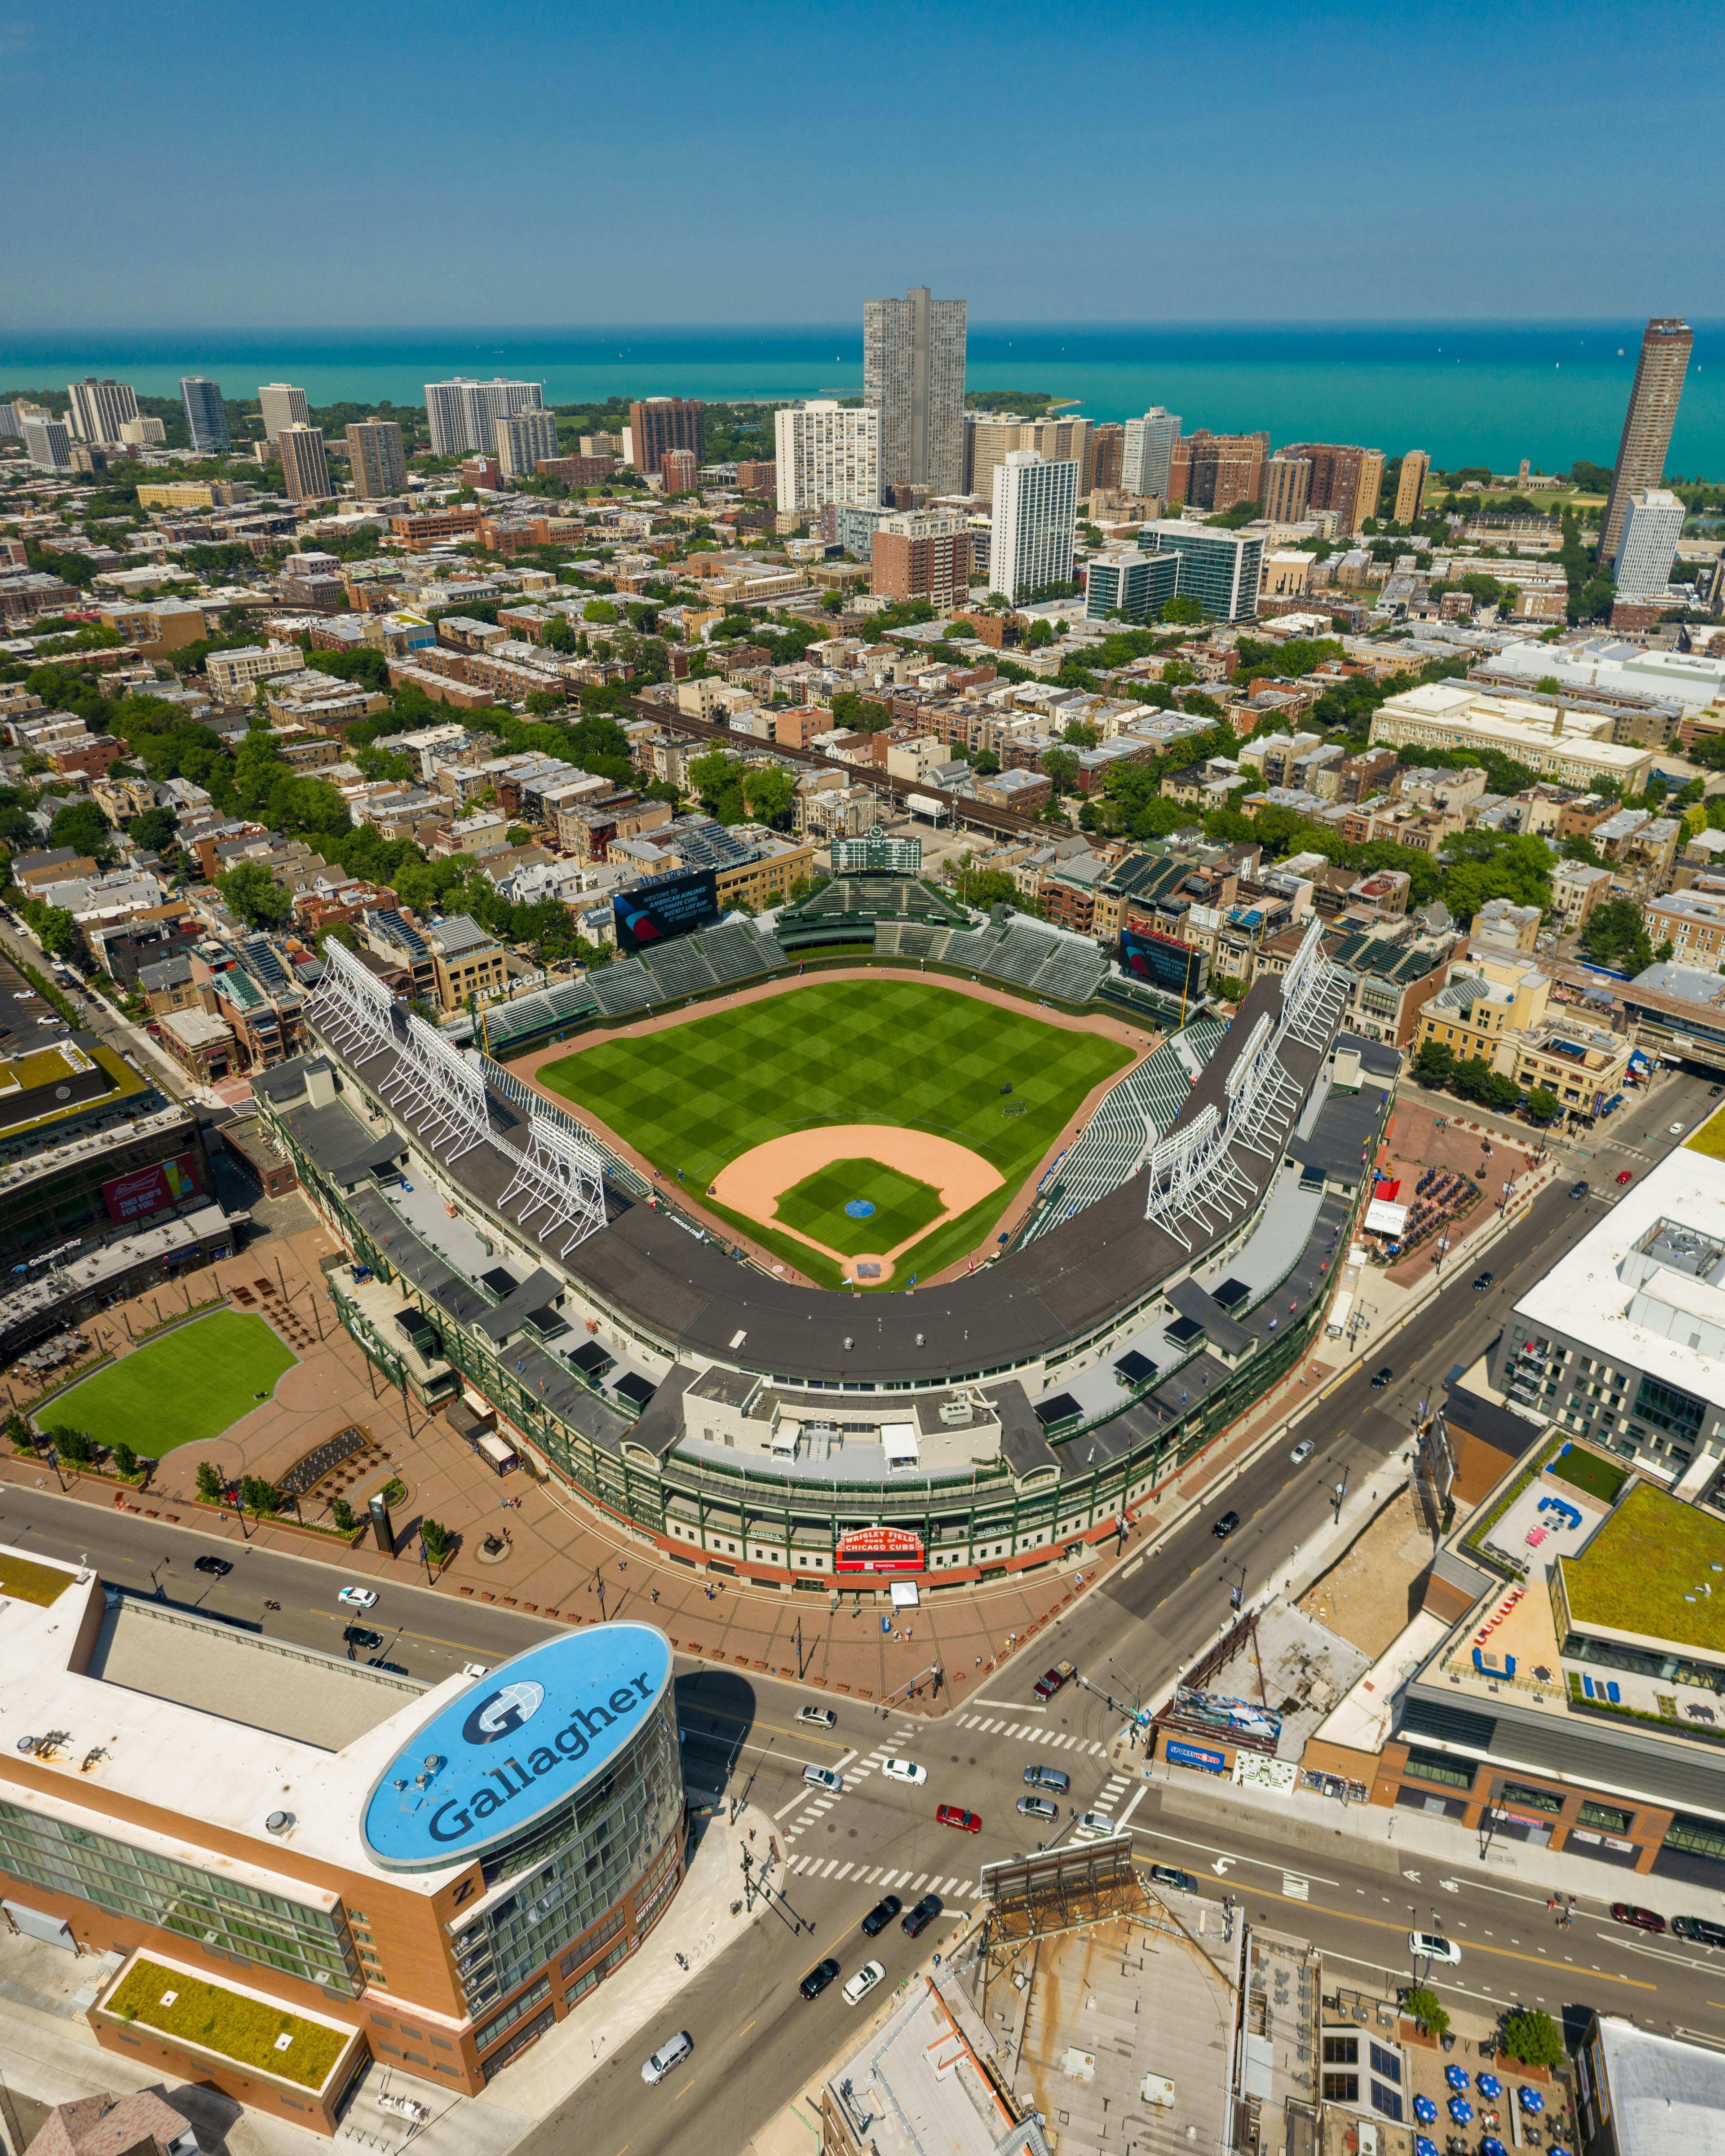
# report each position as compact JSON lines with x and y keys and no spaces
{"x":856,"y":1772}
{"x":1113,"y":1789}
{"x":883,"y":1876}
{"x":1049,"y":1740}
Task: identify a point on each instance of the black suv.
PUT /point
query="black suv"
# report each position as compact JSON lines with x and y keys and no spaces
{"x":881,"y":1915}
{"x":1225,"y":1526}
{"x":1701,"y":1929}
{"x":360,"y":1635}
{"x":921,"y":1917}
{"x":818,"y":1978}
{"x":218,"y":1566}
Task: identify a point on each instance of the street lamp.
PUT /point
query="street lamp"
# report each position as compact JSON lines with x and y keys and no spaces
{"x":1341,"y":1495}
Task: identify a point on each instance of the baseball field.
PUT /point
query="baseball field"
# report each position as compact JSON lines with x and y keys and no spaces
{"x":989,"y":1087}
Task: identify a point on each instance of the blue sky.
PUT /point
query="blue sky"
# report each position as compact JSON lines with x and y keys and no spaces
{"x":311,"y":165}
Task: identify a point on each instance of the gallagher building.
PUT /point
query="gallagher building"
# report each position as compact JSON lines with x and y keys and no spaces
{"x":998,"y":1421}
{"x":276,"y":1842}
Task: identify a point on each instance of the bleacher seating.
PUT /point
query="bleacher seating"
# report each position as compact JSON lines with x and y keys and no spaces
{"x":680,"y":968}
{"x":1072,"y":971}
{"x":624,"y":985}
{"x":1111,"y":1146}
{"x":545,"y":1007}
{"x":972,"y":949}
{"x":1020,"y":954}
{"x":735,"y":953}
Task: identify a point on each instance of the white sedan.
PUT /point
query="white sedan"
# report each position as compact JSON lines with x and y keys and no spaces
{"x":1677,"y":1130}
{"x":1301,"y":1452}
{"x":1432,"y":1946}
{"x":358,"y":1598}
{"x":904,"y":1770}
{"x":1094,"y":1826}
{"x":863,"y":1983}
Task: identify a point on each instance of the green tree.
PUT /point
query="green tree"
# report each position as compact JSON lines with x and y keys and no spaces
{"x":211,"y":1482}
{"x":1616,"y":936}
{"x":154,"y":830}
{"x":770,"y":793}
{"x":437,"y":1539}
{"x":1426,"y":2008}
{"x":55,"y":929}
{"x":558,"y":635}
{"x":1061,"y":765}
{"x":1435,"y":1065}
{"x":259,"y":1496}
{"x":341,"y":1512}
{"x":1183,"y":608}
{"x":83,"y":827}
{"x":1543,"y":1104}
{"x":73,"y":1445}
{"x":1532,"y":2036}
{"x":250,"y":891}
{"x":125,"y":1459}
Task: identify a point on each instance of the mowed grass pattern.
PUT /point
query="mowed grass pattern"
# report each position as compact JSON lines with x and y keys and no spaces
{"x":692,"y":1097}
{"x":184,"y":1388}
{"x":816,"y":1206}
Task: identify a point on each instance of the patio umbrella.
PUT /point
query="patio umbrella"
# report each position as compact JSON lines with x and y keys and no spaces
{"x":1424,"y":2110}
{"x":1456,"y":2076}
{"x":1489,"y":2084}
{"x":1530,"y":2099}
{"x":1461,"y":2111}
{"x":1422,"y":2147}
{"x":1491,"y":2146}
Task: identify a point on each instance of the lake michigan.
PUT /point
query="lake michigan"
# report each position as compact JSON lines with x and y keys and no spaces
{"x":1472,"y":393}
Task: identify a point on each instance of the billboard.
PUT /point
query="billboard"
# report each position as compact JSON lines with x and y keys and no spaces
{"x":879,"y":1549}
{"x":1195,"y":1755}
{"x":664,"y":906}
{"x":1161,"y":961}
{"x":152,"y":1189}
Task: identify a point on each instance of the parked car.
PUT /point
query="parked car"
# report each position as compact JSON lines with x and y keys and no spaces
{"x":818,"y":1978}
{"x":1170,"y":1875}
{"x":1301,"y":1452}
{"x":360,"y":1635}
{"x":1048,"y":1777}
{"x":863,"y":1983}
{"x":881,"y":1915}
{"x":817,"y":1718}
{"x":904,"y":1770}
{"x":1038,"y":1808}
{"x":358,"y":1598}
{"x":1225,"y":1526}
{"x":395,"y":1669}
{"x":1483,"y":1283}
{"x":1702,"y":1930}
{"x":671,"y":2052}
{"x":1625,"y":1175}
{"x":921,"y":1917}
{"x":1432,"y":1946}
{"x":1050,"y":1683}
{"x":1577,"y":1189}
{"x":219,"y":1567}
{"x":1632,"y":1913}
{"x":956,"y":1816}
{"x":1677,"y":1130}
{"x":823,"y":1778}
{"x":476,"y":1668}
{"x":1382,"y":1377}
{"x":1093,"y":1826}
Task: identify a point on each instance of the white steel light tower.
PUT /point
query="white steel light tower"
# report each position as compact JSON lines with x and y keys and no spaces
{"x":561,"y":1177}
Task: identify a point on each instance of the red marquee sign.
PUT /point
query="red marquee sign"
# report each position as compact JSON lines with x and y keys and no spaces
{"x":879,"y":1549}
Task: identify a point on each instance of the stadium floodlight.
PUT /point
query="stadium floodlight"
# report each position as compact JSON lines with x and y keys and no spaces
{"x":1188,"y":1172}
{"x":449,"y":1091}
{"x":1262,"y":1099}
{"x":1314,"y":993}
{"x":563,"y":1177}
{"x":350,"y":1008}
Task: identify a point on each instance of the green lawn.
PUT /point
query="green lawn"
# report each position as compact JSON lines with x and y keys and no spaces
{"x":1649,"y":1570}
{"x":241,"y":2029}
{"x":889,"y":1050}
{"x":184,"y":1388}
{"x":1589,"y":1471}
{"x":816,"y":1206}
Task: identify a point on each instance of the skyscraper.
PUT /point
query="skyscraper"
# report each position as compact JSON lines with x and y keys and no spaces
{"x":659,"y":424}
{"x":48,"y":441}
{"x":377,"y":458}
{"x":913,"y":376}
{"x":1035,"y":513}
{"x":305,"y":464}
{"x":1221,"y":570}
{"x":828,"y":452}
{"x":1217,"y":471}
{"x":1344,"y":478}
{"x":1652,"y":525}
{"x":1287,"y":488}
{"x":282,"y":405}
{"x":206,"y":414}
{"x":520,"y":439}
{"x":1410,"y":487}
{"x":97,"y":410}
{"x":1647,"y":424}
{"x":1150,"y":446}
{"x":678,"y":473}
{"x":1104,"y":458}
{"x":922,"y":554}
{"x":462,"y":414}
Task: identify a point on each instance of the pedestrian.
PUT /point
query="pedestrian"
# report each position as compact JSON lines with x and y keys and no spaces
{"x":978,"y":1662}
{"x":622,"y":1564}
{"x":655,"y":1594}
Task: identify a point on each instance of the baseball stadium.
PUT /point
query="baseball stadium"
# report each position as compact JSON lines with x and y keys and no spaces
{"x":874,"y":1237}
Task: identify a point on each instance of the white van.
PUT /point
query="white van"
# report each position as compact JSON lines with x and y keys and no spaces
{"x":671,"y":2052}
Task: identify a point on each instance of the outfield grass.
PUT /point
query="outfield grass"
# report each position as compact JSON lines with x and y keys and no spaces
{"x":903,"y":1207}
{"x":889,"y":1050}
{"x":184,"y":1388}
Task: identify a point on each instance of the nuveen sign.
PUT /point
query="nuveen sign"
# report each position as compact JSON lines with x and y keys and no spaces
{"x":515,"y":1746}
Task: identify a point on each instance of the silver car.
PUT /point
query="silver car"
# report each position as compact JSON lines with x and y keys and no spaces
{"x":671,"y":2052}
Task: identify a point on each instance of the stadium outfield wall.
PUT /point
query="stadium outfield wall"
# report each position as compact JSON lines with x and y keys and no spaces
{"x":991,"y":1422}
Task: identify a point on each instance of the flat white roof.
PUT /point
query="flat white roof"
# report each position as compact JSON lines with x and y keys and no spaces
{"x":191,"y":1761}
{"x":1585,"y":1296}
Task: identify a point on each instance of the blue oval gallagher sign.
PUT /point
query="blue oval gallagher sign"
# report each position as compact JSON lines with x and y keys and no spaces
{"x":513,"y":1746}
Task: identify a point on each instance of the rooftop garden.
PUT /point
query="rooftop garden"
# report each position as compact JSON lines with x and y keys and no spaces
{"x":1656,"y":1568}
{"x":25,"y":1581}
{"x":244,"y":2030}
{"x":1590,"y":1472}
{"x":1710,"y":1136}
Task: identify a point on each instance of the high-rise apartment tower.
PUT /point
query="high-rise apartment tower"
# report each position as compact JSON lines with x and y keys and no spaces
{"x":1035,"y":513}
{"x":1287,"y":488}
{"x":1647,"y":424}
{"x":1652,"y":525}
{"x":98,"y":410}
{"x":1150,"y":446}
{"x":520,"y":439}
{"x":828,"y":452}
{"x":377,"y":458}
{"x":462,"y":414}
{"x":305,"y":464}
{"x":1410,"y":487}
{"x":659,"y":424}
{"x":282,"y":405}
{"x":913,"y":376}
{"x":206,"y":414}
